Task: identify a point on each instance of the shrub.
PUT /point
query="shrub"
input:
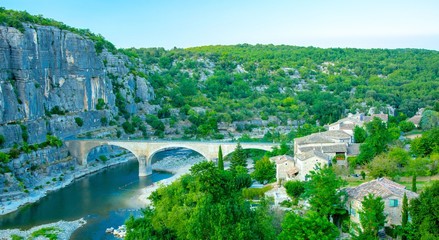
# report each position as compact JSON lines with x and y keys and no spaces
{"x":2,"y":140}
{"x":79,"y":121}
{"x":104,"y":121}
{"x":101,"y":104}
{"x":128,"y":127}
{"x":294,"y":188}
{"x":4,"y":158}
{"x":254,"y":193}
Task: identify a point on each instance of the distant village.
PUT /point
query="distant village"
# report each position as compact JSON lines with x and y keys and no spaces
{"x":334,"y":146}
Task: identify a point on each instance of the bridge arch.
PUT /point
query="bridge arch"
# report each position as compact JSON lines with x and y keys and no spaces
{"x":173,"y":146}
{"x":90,"y":151}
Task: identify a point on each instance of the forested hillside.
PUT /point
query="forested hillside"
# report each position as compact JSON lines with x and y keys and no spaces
{"x":245,"y":82}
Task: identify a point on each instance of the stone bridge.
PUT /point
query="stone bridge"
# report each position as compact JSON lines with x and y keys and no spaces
{"x":144,"y":150}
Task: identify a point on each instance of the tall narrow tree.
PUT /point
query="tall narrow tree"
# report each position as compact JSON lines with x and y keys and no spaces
{"x":405,"y":216}
{"x":414,"y":188}
{"x":220,"y":159}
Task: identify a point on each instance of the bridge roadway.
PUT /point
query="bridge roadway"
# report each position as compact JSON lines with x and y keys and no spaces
{"x":145,"y":149}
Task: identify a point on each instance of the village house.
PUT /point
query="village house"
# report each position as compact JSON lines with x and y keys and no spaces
{"x":285,"y":168}
{"x":391,"y":192}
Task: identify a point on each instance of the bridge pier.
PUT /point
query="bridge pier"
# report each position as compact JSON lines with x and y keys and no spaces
{"x":145,"y":167}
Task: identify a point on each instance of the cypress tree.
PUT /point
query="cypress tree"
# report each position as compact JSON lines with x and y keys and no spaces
{"x":414,"y":188}
{"x":405,"y":216}
{"x":220,"y":159}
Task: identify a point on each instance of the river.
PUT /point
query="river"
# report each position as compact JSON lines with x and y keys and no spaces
{"x":104,"y":199}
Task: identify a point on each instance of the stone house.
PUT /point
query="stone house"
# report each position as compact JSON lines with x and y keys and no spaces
{"x":416,"y":120}
{"x":332,"y":143}
{"x":307,"y":161}
{"x":391,"y":192}
{"x":286,"y":168}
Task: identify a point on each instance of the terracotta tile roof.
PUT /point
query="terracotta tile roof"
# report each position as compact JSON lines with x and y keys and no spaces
{"x":382,"y":187}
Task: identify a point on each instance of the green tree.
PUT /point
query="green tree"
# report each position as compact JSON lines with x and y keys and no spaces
{"x":414,"y":188}
{"x":405,"y":216}
{"x":424,"y":212}
{"x":220,"y":159}
{"x":359,"y":134}
{"x":429,"y":120}
{"x":265,"y":171}
{"x":363,"y":175}
{"x":238,"y":158}
{"x":294,"y":188}
{"x":406,"y":126}
{"x":205,"y":204}
{"x":310,"y":226}
{"x":79,"y":121}
{"x":372,"y":217}
{"x":382,"y":166}
{"x":323,"y":192}
{"x":399,"y":155}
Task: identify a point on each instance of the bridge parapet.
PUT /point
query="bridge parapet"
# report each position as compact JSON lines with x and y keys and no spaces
{"x":144,"y":150}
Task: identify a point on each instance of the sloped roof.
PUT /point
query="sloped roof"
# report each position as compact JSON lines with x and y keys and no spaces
{"x":353,"y":149}
{"x":309,"y":154}
{"x":341,"y":147}
{"x":415,"y":119}
{"x":382,"y":187}
{"x":383,"y":117}
{"x":281,"y":159}
{"x":323,"y":137}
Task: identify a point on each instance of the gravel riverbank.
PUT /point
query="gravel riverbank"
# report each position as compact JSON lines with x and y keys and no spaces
{"x":63,"y":230}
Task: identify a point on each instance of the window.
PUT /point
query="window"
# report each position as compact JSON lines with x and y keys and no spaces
{"x":393,"y":202}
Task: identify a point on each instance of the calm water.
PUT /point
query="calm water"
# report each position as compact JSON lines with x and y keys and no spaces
{"x":104,"y":199}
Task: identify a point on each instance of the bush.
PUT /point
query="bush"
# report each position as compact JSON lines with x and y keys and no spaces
{"x":14,"y":152}
{"x":294,"y":188}
{"x":24,"y":133}
{"x":2,"y":140}
{"x":128,"y":127}
{"x":101,"y":104}
{"x":254,"y":193}
{"x":4,"y":158}
{"x":103,"y":158}
{"x":104,"y":121}
{"x":79,"y":121}
{"x":406,"y":126}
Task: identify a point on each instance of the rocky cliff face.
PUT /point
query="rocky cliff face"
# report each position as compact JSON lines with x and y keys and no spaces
{"x":48,"y":79}
{"x":46,"y":69}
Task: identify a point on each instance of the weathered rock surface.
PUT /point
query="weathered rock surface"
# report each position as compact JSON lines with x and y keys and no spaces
{"x":49,"y":80}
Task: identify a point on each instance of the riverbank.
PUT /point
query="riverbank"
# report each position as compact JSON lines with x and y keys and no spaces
{"x":174,"y":165}
{"x":62,"y":229}
{"x":69,"y":177}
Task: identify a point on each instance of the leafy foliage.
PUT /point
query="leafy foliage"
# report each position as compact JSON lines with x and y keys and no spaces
{"x":359,"y":134}
{"x":206,"y":204}
{"x":323,"y":192}
{"x":424,"y":212}
{"x":265,"y":171}
{"x":294,"y":188}
{"x":238,"y":158}
{"x":372,"y":217}
{"x":310,"y":226}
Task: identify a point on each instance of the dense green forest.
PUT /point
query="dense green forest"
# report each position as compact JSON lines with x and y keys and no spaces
{"x":244,"y":82}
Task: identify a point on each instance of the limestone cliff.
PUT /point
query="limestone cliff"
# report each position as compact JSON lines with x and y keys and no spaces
{"x":50,"y":80}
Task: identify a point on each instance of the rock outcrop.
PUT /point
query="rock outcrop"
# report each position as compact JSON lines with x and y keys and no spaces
{"x":51,"y":81}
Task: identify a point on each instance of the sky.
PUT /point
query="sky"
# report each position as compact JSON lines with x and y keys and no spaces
{"x":189,"y":23}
